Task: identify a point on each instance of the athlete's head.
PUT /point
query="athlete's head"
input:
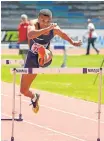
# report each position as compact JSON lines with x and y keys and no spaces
{"x":45,"y":17}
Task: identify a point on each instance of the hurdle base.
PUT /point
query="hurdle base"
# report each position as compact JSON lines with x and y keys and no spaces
{"x":12,"y":138}
{"x":16,"y":119}
{"x":20,"y":118}
{"x":63,"y":65}
{"x":98,"y":139}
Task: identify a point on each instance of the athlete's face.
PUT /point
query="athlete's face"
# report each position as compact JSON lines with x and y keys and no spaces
{"x":44,"y":21}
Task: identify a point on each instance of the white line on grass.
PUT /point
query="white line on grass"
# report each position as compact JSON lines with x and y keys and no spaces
{"x":55,"y":83}
{"x":59,"y":95}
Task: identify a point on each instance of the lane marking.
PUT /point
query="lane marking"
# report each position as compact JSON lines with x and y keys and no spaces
{"x":49,"y":129}
{"x":59,"y":110}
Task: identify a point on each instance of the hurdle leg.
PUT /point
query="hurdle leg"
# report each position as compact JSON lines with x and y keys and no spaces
{"x":64,"y":58}
{"x":19,"y":118}
{"x":20,"y":113}
{"x":13,"y":104}
{"x":99,"y":102}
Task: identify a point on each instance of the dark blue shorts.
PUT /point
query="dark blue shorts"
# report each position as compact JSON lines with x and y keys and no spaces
{"x":32,"y":61}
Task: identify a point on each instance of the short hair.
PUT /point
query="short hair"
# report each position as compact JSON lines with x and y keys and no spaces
{"x":89,"y":20}
{"x":24,"y":16}
{"x":45,"y":12}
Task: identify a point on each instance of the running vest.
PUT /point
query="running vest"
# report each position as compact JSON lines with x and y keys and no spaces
{"x":42,"y":39}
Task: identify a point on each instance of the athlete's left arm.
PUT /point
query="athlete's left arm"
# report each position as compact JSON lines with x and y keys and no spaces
{"x":59,"y":32}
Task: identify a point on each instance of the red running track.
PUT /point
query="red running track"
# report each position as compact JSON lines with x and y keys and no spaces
{"x":60,"y":118}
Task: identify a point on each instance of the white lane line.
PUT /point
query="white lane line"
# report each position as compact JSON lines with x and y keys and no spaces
{"x":55,"y":83}
{"x":62,"y":111}
{"x":49,"y":129}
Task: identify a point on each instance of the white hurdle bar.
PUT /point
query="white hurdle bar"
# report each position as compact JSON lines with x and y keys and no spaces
{"x":99,"y":71}
{"x":48,"y":70}
{"x":56,"y":70}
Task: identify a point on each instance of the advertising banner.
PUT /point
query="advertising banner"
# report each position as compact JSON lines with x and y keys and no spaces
{"x":75,"y":34}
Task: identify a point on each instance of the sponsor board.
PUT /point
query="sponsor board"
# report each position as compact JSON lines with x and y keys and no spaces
{"x":92,"y":70}
{"x":20,"y":70}
{"x":9,"y":36}
{"x":75,"y":34}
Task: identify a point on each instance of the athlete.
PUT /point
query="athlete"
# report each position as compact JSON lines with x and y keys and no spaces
{"x":40,"y":33}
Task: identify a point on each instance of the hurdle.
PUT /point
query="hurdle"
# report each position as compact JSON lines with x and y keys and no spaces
{"x":13,"y":62}
{"x":99,"y":71}
{"x":63,"y":65}
{"x":15,"y":71}
{"x":100,"y":67}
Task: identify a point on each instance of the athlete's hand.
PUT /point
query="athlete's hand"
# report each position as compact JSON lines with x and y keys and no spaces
{"x":77,"y":43}
{"x":52,"y":26}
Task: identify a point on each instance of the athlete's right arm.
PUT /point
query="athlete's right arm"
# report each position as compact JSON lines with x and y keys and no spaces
{"x":34,"y":33}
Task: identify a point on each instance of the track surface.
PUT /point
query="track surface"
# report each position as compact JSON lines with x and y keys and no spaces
{"x":60,"y":118}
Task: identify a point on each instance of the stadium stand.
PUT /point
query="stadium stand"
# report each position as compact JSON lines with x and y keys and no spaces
{"x":68,"y":14}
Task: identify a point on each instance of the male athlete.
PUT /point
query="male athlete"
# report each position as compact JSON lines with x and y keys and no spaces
{"x":40,"y":33}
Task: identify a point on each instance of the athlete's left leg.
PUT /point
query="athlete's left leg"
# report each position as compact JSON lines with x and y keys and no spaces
{"x":48,"y":56}
{"x":45,"y":56}
{"x":41,"y":52}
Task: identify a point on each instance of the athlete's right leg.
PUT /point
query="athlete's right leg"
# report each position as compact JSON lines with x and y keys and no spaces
{"x":26,"y":81}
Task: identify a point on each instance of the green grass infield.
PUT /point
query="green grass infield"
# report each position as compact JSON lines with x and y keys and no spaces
{"x":72,"y":85}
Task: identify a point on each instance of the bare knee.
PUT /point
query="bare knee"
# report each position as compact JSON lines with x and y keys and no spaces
{"x":26,"y":81}
{"x":24,"y":91}
{"x":27,"y":93}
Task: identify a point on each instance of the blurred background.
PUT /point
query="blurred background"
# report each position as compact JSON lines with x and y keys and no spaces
{"x":68,"y":14}
{"x":71,"y":16}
